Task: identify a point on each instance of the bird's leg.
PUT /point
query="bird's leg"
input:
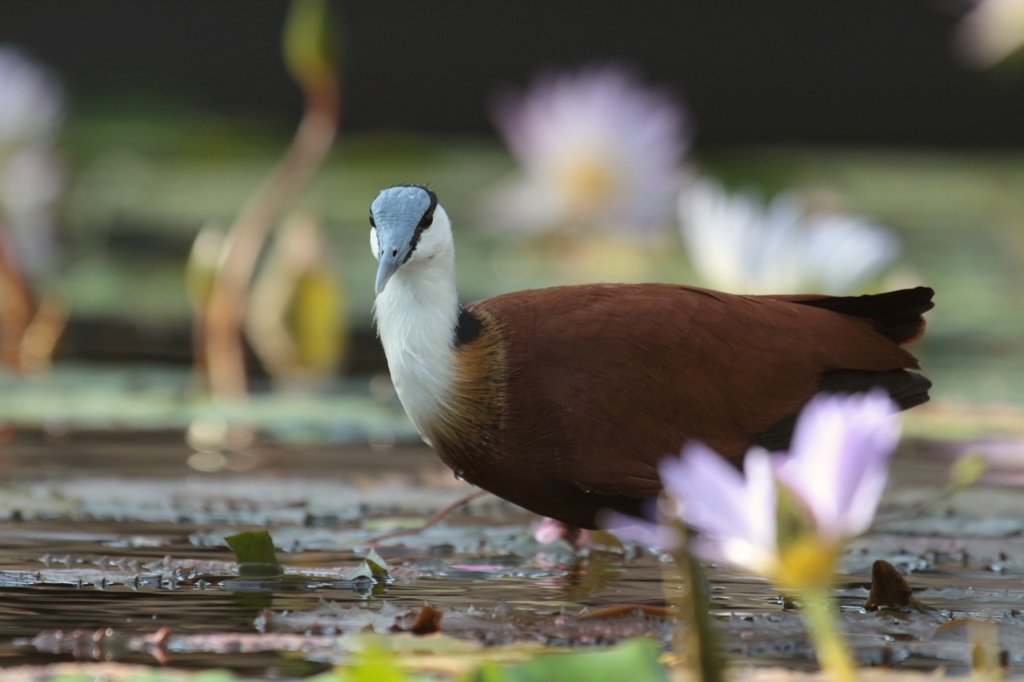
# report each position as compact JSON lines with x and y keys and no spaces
{"x":434,"y":519}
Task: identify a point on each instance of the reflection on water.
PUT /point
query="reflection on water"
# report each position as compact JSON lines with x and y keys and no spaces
{"x":104,"y":543}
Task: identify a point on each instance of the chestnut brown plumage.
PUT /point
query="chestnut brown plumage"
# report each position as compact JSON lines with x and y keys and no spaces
{"x":563,"y":400}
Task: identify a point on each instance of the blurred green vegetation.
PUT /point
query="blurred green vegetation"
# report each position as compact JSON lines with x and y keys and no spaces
{"x":146,"y":177}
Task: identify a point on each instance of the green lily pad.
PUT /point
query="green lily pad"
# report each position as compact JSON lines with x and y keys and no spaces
{"x":254,"y":552}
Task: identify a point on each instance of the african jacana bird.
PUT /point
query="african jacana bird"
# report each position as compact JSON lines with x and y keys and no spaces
{"x":563,"y":400}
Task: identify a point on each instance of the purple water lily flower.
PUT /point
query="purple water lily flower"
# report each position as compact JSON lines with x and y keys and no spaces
{"x":839,"y":460}
{"x":597,"y":148}
{"x":733,"y":511}
{"x":836,"y":469}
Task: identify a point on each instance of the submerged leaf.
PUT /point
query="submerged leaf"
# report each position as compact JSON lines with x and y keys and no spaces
{"x":635,"y":659}
{"x":254,"y":552}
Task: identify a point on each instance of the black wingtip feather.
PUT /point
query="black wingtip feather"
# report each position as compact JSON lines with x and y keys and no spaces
{"x":907,"y":389}
{"x":897,"y":312}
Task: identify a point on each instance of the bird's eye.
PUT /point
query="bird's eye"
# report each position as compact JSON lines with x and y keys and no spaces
{"x":428,"y":219}
{"x":372,"y":223}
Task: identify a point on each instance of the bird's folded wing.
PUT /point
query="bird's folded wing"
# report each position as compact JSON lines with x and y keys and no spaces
{"x":606,"y":380}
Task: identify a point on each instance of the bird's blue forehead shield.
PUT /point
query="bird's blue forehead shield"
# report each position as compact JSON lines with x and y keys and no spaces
{"x":398,"y":212}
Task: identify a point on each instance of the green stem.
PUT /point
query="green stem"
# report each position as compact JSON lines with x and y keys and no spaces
{"x":833,"y":653}
{"x":695,"y":640}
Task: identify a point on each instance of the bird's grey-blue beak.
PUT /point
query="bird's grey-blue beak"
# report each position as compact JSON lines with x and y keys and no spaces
{"x":393,"y":246}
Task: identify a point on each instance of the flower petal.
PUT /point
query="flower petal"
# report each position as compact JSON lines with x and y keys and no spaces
{"x":839,"y":459}
{"x":598,"y":146}
{"x":734,"y":512}
{"x":639,"y":531}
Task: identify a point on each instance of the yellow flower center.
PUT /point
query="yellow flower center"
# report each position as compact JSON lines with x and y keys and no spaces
{"x":588,"y":181}
{"x":806,"y":563}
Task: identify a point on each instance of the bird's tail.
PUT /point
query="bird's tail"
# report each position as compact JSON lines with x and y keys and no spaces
{"x":899,"y":314}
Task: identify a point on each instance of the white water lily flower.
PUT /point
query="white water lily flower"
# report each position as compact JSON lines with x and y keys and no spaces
{"x":597,"y":148}
{"x":737,"y":243}
{"x":992,"y":31}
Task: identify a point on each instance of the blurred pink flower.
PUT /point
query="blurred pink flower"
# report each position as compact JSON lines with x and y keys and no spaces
{"x":551,"y":530}
{"x":31,"y":101}
{"x":738,"y":243}
{"x":836,"y":469}
{"x":597,"y":149}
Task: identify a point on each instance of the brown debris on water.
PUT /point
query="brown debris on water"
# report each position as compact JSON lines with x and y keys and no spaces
{"x":631,"y":610}
{"x":889,"y":589}
{"x":427,"y":622}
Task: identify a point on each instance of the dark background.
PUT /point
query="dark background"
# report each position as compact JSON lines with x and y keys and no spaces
{"x":752,"y":71}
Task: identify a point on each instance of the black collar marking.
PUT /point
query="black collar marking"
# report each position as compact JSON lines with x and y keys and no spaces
{"x":468,"y":328}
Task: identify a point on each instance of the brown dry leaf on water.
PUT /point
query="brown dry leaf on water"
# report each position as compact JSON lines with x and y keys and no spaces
{"x":889,"y":589}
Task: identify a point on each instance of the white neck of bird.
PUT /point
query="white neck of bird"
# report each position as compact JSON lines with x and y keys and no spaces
{"x":416,"y":315}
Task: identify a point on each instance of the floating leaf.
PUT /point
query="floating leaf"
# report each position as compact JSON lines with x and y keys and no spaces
{"x":373,"y":567}
{"x":254,"y":552}
{"x":377,"y":565}
{"x":363,"y":570}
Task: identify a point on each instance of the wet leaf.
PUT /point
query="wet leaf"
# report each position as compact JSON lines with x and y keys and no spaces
{"x":378,"y":566}
{"x":363,"y":570}
{"x":254,"y":552}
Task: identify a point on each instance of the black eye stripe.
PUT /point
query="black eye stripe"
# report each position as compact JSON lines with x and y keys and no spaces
{"x":373,"y":223}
